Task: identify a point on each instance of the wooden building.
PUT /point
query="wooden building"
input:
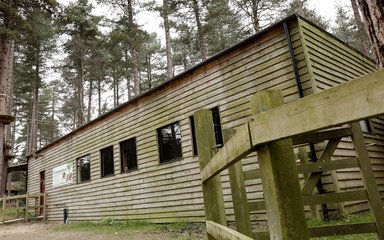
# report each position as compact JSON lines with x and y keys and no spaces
{"x":139,"y":161}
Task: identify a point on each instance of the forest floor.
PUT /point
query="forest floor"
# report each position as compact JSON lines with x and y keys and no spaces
{"x":92,"y":231}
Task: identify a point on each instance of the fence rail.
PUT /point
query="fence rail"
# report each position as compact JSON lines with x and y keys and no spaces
{"x":272,"y":131}
{"x":13,"y":206}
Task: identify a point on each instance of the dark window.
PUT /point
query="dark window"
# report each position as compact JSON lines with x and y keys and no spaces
{"x":169,"y":138}
{"x":217,"y":126}
{"x":193,"y":136}
{"x":366,"y":126}
{"x":107,"y":161}
{"x":128,"y":155}
{"x":84,"y":169}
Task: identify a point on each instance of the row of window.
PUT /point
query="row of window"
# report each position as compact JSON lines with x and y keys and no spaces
{"x":169,"y":145}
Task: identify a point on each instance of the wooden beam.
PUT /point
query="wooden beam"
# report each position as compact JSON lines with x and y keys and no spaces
{"x":239,"y":193}
{"x":256,"y":206}
{"x":322,"y":135}
{"x":335,"y":197}
{"x":304,"y":157}
{"x":222,"y":232}
{"x":326,"y":155}
{"x":311,"y":167}
{"x":16,"y":197}
{"x":235,"y":149}
{"x":344,"y":229}
{"x":26,"y":207}
{"x":319,"y":199}
{"x":284,"y":206}
{"x":4,"y":209}
{"x":252,"y":174}
{"x":45,"y":207}
{"x":349,"y":102}
{"x":335,"y":230}
{"x":327,"y":166}
{"x":375,"y":202}
{"x":261,"y":235}
{"x":212,"y":189}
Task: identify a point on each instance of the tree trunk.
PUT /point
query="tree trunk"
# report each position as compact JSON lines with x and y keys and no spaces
{"x":114,"y":92}
{"x":149,"y":71}
{"x":168,"y":46}
{"x":90,"y":100}
{"x":299,"y":7}
{"x":133,"y":51}
{"x":128,"y":76}
{"x":80,"y":93}
{"x":365,"y":46}
{"x":200,"y":33}
{"x":53,"y":115}
{"x":373,"y":17}
{"x":6,"y":85}
{"x":255,"y":16}
{"x":32,"y":144}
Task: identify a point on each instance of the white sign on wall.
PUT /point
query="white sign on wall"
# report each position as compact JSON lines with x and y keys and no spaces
{"x":62,"y":175}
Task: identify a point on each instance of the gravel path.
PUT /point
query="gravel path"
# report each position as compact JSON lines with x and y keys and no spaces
{"x":41,"y":231}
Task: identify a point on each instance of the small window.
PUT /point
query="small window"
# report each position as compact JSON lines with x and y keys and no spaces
{"x":193,"y":136}
{"x":84,"y":169}
{"x":217,"y":127}
{"x":366,"y":126}
{"x":128,"y":155}
{"x":107,"y":168}
{"x":169,"y":138}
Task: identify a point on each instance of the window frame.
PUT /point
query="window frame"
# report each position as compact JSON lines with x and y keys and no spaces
{"x":123,"y":163}
{"x":193,"y":136}
{"x":78,"y":175}
{"x":217,"y":127}
{"x":160,"y":144}
{"x":102,"y":162}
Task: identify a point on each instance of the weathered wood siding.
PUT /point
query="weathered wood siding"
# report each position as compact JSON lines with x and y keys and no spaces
{"x":330,"y":63}
{"x":171,"y":191}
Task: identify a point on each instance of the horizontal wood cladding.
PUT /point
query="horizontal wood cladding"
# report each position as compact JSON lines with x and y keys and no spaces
{"x":170,"y":191}
{"x":332,"y":63}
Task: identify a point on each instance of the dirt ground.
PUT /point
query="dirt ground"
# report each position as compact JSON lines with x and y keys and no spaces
{"x":42,"y":231}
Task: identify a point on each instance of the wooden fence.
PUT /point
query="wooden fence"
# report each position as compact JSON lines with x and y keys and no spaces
{"x":271,"y":132}
{"x":15,"y":208}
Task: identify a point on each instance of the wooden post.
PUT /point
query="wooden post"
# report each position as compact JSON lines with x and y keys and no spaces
{"x":17,"y":208}
{"x":282,"y":195}
{"x":212,"y":189}
{"x":45,"y":207}
{"x":26,"y":207}
{"x":4,"y":208}
{"x":239,"y":194}
{"x":303,"y":156}
{"x":369,"y":180}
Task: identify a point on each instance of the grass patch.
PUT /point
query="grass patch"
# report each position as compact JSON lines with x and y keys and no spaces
{"x":348,"y":219}
{"x":130,"y":228}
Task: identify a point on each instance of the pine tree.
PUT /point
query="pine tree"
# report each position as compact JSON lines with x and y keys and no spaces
{"x":301,"y":7}
{"x":223,"y":26}
{"x":153,"y":62}
{"x":259,"y":12}
{"x":13,"y":23}
{"x":126,"y":20}
{"x":347,"y":29}
{"x":166,"y":10}
{"x":82,"y":29}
